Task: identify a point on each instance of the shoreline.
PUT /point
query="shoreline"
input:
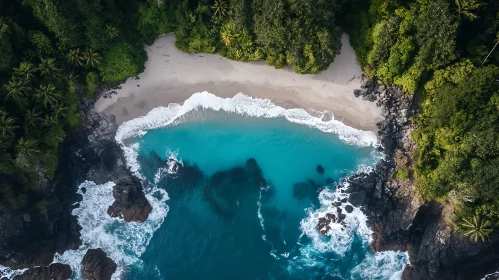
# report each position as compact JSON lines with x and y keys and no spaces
{"x":172,"y":76}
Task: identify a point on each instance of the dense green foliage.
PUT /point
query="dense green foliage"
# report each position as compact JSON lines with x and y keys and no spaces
{"x":300,"y":33}
{"x":52,"y":52}
{"x":55,"y":52}
{"x":443,"y":51}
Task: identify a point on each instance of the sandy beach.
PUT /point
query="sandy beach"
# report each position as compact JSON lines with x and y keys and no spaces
{"x":172,"y":76}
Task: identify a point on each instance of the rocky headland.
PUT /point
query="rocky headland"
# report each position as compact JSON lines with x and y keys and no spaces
{"x":398,"y":215}
{"x":29,"y":238}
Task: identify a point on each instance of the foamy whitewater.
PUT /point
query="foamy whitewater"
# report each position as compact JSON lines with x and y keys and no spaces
{"x":278,"y":220}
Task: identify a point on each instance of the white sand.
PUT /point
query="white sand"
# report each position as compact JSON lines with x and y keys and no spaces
{"x":172,"y":76}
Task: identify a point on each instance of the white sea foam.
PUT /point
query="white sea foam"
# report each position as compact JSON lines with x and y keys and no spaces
{"x":171,"y":166}
{"x":123,"y":242}
{"x":10,"y":273}
{"x":383,"y":265}
{"x":241,"y":104}
{"x":491,"y":276}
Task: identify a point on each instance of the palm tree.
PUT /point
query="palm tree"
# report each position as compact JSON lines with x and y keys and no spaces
{"x":47,"y":94}
{"x":59,"y":109}
{"x":72,"y":80}
{"x":497,"y":42}
{"x":228,"y":37}
{"x":476,"y":228}
{"x":32,"y":118}
{"x":220,"y":8}
{"x":7,"y":125}
{"x":26,"y":149}
{"x":111,"y":31}
{"x":465,"y":8}
{"x":49,"y":121}
{"x":75,"y":57}
{"x":15,"y":89}
{"x":92,"y":58}
{"x":25,"y":71}
{"x":47,"y":67}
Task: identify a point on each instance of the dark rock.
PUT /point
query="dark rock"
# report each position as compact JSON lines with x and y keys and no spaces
{"x":184,"y":179}
{"x":323,"y":224}
{"x":306,"y":190}
{"x":357,"y":198}
{"x":130,"y":202}
{"x":97,"y":265}
{"x":55,"y":271}
{"x":320,"y":169}
{"x":399,"y":220}
{"x":329,"y":181}
{"x":349,"y":208}
{"x":225,"y":190}
{"x":341,"y":217}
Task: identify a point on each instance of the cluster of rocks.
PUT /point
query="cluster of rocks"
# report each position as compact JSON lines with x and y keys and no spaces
{"x":29,"y":237}
{"x":399,"y":218}
{"x":55,"y":271}
{"x":96,"y":265}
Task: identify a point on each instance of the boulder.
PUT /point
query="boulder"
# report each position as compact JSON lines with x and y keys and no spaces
{"x":96,"y":265}
{"x":130,"y":202}
{"x":55,"y":271}
{"x":324,"y":223}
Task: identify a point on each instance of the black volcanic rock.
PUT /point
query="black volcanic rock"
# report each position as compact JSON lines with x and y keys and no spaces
{"x":97,"y":265}
{"x":55,"y":271}
{"x":399,"y":219}
{"x":130,"y":202}
{"x":323,"y":224}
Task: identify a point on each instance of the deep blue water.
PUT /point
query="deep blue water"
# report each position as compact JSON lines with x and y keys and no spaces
{"x":239,"y":200}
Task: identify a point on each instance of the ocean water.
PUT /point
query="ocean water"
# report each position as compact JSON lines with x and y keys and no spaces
{"x":237,"y":188}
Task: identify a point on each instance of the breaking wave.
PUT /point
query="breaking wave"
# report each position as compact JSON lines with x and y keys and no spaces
{"x":241,"y":104}
{"x":123,"y":242}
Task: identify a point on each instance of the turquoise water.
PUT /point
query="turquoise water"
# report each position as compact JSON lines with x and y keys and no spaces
{"x":223,"y":222}
{"x":237,"y":193}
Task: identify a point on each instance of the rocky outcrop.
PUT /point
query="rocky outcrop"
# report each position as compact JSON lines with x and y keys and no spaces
{"x":55,"y":271}
{"x":31,"y":236}
{"x":325,"y":223}
{"x":225,"y":189}
{"x":399,"y":218}
{"x":130,"y":202}
{"x":96,"y":265}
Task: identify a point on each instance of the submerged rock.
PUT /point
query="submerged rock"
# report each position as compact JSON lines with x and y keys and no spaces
{"x":225,"y":190}
{"x":320,"y":169}
{"x":308,"y":189}
{"x":130,"y":202}
{"x":55,"y":271}
{"x":97,"y":265}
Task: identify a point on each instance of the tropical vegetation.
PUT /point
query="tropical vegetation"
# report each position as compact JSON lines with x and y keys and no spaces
{"x":444,"y":52}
